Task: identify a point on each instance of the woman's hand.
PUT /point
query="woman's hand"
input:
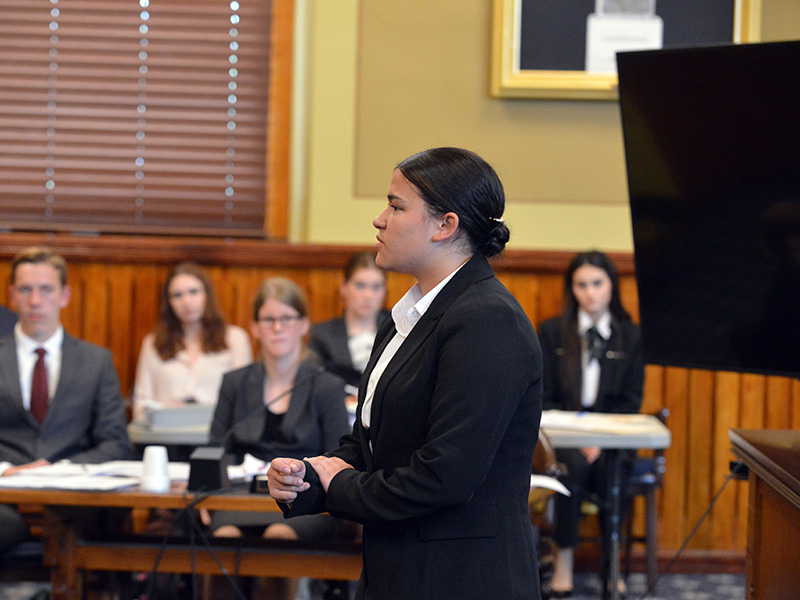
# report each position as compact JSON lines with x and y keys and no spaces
{"x":327,"y":468}
{"x":285,"y":479}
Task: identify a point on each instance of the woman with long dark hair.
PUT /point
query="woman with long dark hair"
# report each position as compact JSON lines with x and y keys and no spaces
{"x":182,"y":361}
{"x":593,"y":361}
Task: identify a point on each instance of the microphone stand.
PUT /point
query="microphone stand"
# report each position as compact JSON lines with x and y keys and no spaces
{"x":208,"y":465}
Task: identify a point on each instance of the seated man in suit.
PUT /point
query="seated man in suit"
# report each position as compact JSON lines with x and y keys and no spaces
{"x":59,"y":396}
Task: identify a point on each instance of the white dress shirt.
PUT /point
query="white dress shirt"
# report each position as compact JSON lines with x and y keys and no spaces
{"x":405,"y":314}
{"x":590,"y":380}
{"x":27,"y":357}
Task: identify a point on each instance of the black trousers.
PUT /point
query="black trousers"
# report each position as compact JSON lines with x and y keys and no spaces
{"x":586,"y":482}
{"x":13,"y":529}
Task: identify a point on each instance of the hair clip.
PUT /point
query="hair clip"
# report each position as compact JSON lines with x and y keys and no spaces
{"x":496,"y":219}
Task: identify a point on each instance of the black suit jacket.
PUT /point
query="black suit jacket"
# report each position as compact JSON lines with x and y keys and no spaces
{"x":328,"y":340}
{"x":441,"y":478}
{"x":85,"y":420}
{"x":313,"y":423}
{"x":621,"y":370}
{"x":8,"y":318}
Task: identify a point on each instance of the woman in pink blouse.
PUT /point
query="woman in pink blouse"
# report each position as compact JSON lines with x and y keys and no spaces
{"x":182,"y":361}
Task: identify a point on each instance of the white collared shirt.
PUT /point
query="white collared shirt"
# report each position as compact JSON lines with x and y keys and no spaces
{"x":590,"y":375}
{"x":27,"y":357}
{"x":405,"y":314}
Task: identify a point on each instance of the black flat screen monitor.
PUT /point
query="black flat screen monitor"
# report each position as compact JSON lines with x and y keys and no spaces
{"x":712,"y":146}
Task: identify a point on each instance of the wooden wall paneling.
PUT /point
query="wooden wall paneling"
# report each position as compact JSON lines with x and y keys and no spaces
{"x":525,"y":289}
{"x":72,"y":314}
{"x":676,"y":399}
{"x":778,"y":403}
{"x":147,"y":286}
{"x":700,"y":451}
{"x":324,"y":298}
{"x":551,"y":295}
{"x":5,"y":282}
{"x":724,"y":527}
{"x":795,"y":404}
{"x":248,"y":281}
{"x":751,"y":416}
{"x":629,"y":295}
{"x":396,"y":287}
{"x":94,"y":302}
{"x":120,"y":324}
{"x":224,"y":290}
{"x":653,"y":398}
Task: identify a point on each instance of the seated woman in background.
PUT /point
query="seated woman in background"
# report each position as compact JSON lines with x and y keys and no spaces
{"x":284,"y":404}
{"x":183,"y":359}
{"x":344,"y":343}
{"x":593,"y":361}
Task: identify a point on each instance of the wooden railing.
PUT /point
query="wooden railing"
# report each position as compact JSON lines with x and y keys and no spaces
{"x":116,"y":282}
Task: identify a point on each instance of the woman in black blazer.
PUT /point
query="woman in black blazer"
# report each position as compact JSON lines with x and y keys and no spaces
{"x":344,"y":344}
{"x":437,"y":468}
{"x":593,"y":361}
{"x":282,"y":405}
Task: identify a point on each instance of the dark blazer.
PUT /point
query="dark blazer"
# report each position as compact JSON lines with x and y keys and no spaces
{"x":314,"y":422}
{"x":443,"y":493}
{"x":8,"y":318}
{"x":328,"y":340}
{"x":85,"y":420}
{"x":621,"y":370}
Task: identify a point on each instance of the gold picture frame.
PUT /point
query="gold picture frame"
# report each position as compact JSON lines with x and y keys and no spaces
{"x":509,"y":81}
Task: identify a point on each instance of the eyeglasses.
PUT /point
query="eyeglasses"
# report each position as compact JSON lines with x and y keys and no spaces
{"x":284,"y":321}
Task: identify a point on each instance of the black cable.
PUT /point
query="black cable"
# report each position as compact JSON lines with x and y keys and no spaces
{"x":188,"y":511}
{"x":734,"y":472}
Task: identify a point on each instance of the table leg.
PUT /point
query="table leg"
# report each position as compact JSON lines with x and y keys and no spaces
{"x":612,"y":526}
{"x":66,"y":581}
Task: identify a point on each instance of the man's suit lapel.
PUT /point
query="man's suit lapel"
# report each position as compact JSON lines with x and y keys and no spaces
{"x":9,"y":370}
{"x":252,"y":398}
{"x":70,"y":374}
{"x":300,"y":398}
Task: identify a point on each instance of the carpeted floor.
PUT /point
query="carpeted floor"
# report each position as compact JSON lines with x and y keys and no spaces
{"x":714,"y":586}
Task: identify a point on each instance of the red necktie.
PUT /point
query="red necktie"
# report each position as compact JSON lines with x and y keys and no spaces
{"x":39,"y":388}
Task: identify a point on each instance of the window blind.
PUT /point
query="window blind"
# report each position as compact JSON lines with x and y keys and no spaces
{"x":134,"y":116}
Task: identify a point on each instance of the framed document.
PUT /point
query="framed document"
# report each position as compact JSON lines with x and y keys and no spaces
{"x":558,"y":49}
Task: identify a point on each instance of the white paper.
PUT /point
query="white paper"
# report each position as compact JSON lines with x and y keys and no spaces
{"x":550,"y":483}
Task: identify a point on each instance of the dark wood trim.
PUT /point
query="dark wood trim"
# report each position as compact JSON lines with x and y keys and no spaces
{"x":276,"y":209}
{"x":250,"y":253}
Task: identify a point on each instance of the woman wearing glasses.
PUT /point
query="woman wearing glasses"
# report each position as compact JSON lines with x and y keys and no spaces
{"x":284,"y":404}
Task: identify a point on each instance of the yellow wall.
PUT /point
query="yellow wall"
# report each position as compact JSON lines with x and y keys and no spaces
{"x":383,"y":80}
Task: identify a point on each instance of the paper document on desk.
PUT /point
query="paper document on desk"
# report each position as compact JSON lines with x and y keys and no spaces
{"x":69,"y":482}
{"x":550,"y":483}
{"x":109,"y":475}
{"x":250,"y":467}
{"x":596,"y":422}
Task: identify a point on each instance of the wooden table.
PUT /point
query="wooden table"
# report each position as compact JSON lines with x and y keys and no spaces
{"x":70,"y":552}
{"x":612,"y":433}
{"x":772,"y":458}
